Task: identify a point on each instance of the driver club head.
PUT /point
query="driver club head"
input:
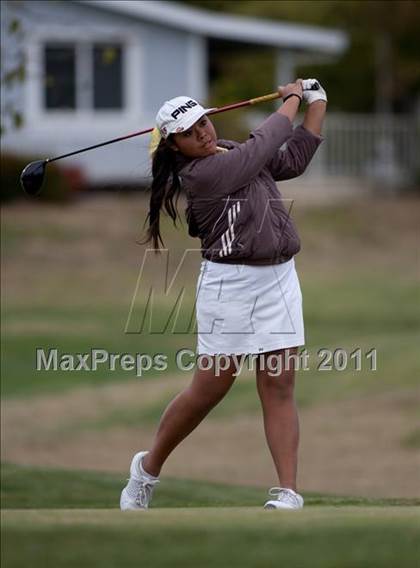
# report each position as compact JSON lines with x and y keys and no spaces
{"x":32,"y":177}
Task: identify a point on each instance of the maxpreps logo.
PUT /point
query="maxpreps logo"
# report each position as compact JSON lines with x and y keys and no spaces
{"x":183,"y":108}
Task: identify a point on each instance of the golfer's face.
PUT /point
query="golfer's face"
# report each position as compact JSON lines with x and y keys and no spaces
{"x":198,"y":141}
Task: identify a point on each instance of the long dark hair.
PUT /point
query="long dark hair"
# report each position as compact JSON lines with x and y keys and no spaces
{"x":166,"y":186}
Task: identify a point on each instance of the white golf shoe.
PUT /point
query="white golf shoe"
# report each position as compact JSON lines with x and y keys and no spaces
{"x":137,"y":494}
{"x":285,"y":499}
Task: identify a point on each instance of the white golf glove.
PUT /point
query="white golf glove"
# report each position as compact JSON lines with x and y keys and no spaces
{"x":311,"y":95}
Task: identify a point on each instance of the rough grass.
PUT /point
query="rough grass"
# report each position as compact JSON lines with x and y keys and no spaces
{"x":365,"y":311}
{"x":70,"y":275}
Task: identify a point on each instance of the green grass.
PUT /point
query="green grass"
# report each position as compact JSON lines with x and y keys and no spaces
{"x":27,"y":488}
{"x":225,"y":537}
{"x":64,"y":518}
{"x":355,"y":306}
{"x":412,"y":440}
{"x":332,"y":321}
{"x":40,"y":488}
{"x":397,"y":371}
{"x":76,"y":330}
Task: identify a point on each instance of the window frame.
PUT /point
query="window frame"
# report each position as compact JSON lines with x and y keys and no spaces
{"x":36,"y":110}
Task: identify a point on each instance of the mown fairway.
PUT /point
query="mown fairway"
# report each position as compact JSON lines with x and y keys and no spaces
{"x":225,"y":537}
{"x":221,"y":527}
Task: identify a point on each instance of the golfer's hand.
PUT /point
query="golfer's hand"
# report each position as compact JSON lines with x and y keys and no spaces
{"x":309,"y":96}
{"x":291,"y":88}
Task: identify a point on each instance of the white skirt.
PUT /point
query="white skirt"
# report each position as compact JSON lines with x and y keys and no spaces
{"x":243,"y":309}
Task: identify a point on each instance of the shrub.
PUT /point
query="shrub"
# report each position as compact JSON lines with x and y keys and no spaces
{"x":57,"y":185}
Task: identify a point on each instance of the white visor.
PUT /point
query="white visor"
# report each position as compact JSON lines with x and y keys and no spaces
{"x":178,"y":115}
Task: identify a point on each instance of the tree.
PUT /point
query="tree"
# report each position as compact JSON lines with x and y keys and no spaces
{"x":380,"y":68}
{"x":12,"y":66}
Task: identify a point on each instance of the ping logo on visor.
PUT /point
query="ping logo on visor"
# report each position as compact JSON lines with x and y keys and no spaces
{"x":183,"y":108}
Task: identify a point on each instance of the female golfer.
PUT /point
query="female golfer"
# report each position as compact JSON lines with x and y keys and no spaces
{"x":248,"y":296}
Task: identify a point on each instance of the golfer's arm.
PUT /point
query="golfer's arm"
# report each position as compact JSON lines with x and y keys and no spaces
{"x":314,"y":117}
{"x":290,"y":108}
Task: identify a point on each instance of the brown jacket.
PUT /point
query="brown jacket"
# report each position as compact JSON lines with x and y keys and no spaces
{"x":234,"y":205}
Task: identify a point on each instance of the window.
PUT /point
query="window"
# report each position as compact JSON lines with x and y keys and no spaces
{"x":88,"y":76}
{"x":107,"y":76}
{"x":60,"y":77}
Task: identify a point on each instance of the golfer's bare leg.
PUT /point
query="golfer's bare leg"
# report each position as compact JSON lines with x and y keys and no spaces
{"x":281,"y":423}
{"x":185,"y":412}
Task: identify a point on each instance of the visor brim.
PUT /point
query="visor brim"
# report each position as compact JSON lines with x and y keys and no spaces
{"x":192,"y":120}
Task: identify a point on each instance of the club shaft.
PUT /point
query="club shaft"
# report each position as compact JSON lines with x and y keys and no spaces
{"x":225,"y":108}
{"x":100,"y":144}
{"x":233,"y":106}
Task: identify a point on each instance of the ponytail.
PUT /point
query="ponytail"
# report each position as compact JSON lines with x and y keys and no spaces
{"x":166,"y":186}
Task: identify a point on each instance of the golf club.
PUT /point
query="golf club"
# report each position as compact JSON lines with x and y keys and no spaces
{"x":32,"y":176}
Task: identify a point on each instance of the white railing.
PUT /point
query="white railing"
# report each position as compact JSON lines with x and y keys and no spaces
{"x":370,"y":146}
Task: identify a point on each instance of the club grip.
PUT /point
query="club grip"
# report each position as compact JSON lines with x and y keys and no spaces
{"x":306,"y":84}
{"x":265,"y":98}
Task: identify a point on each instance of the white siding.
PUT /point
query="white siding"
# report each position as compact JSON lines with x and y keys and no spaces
{"x":156,"y":67}
{"x":165,"y":56}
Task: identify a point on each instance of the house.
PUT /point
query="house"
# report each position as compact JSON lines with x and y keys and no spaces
{"x":97,"y":69}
